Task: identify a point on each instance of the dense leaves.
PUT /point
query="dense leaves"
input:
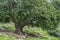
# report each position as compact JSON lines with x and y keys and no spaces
{"x":31,"y":12}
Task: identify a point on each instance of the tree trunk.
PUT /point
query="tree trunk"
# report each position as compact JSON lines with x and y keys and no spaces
{"x":19,"y":29}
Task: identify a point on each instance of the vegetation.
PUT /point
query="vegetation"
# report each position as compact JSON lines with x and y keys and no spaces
{"x":31,"y":16}
{"x":27,"y":29}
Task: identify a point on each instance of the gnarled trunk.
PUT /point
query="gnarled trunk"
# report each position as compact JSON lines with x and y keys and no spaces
{"x":19,"y":29}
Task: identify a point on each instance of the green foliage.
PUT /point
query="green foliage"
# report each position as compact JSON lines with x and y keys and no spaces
{"x":56,"y":4}
{"x":5,"y":37}
{"x":7,"y":26}
{"x":31,"y":12}
{"x":36,"y":13}
{"x":29,"y":30}
{"x":48,"y":38}
{"x":3,"y":11}
{"x":35,"y":30}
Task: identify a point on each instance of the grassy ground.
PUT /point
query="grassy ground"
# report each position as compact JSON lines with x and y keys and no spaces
{"x":5,"y":37}
{"x":41,"y":39}
{"x":35,"y":30}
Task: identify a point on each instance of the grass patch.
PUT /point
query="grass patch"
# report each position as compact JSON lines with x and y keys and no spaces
{"x":6,"y":37}
{"x":7,"y":26}
{"x":44,"y":38}
{"x":38,"y":30}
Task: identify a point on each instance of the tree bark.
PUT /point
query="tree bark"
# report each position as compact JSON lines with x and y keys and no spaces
{"x":19,"y":29}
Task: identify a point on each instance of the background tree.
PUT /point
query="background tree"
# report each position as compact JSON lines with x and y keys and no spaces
{"x":3,"y":11}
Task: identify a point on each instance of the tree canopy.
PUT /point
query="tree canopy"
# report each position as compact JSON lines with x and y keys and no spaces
{"x":38,"y":13}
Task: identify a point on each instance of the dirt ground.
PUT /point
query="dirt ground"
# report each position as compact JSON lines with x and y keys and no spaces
{"x":16,"y":37}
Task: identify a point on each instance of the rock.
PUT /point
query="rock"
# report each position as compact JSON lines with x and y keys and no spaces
{"x":2,"y":29}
